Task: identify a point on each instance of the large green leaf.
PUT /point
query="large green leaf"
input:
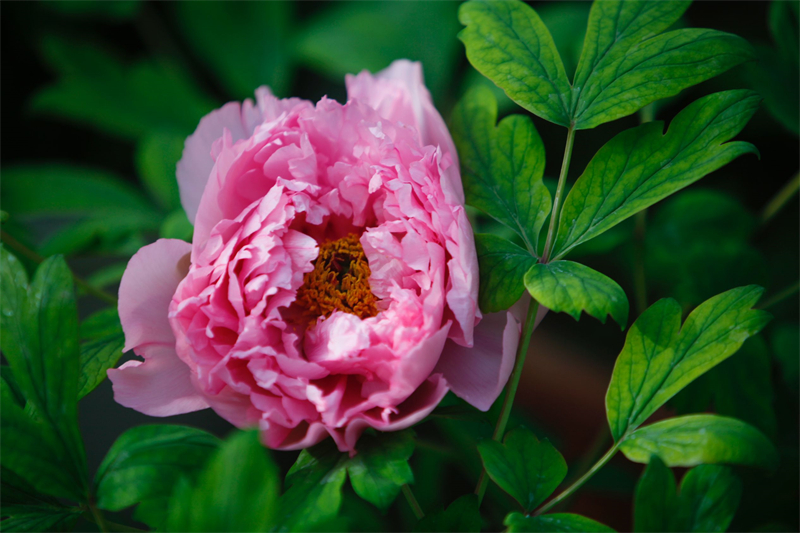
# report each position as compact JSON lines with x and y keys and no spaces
{"x":462,"y":515}
{"x":39,"y":338}
{"x":501,"y":166}
{"x":244,"y":43}
{"x":237,"y":490}
{"x":157,"y":155}
{"x":700,"y":439}
{"x":656,"y":498}
{"x":640,"y":166}
{"x":564,"y":286}
{"x":348,"y":37}
{"x":97,"y":357}
{"x":94,"y":88}
{"x":626,"y":63}
{"x":526,"y":468}
{"x":660,"y":357}
{"x":508,"y":43}
{"x":709,"y":497}
{"x":39,"y":518}
{"x":519,"y":523}
{"x":145,"y":462}
{"x":380,"y":468}
{"x":503,"y":265}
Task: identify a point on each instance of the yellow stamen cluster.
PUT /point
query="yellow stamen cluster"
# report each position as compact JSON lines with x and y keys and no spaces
{"x":340,"y":280}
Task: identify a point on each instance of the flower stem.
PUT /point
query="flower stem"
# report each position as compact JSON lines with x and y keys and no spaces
{"x":412,"y":501}
{"x":780,"y":199}
{"x":579,"y":482}
{"x":782,"y":295}
{"x":14,"y":244}
{"x":511,"y":389}
{"x":562,"y":181}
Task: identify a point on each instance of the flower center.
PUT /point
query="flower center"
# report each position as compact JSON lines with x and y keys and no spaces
{"x":340,"y":280}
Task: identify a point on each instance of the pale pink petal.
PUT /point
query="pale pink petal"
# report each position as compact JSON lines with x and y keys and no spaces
{"x":146,"y":290}
{"x":478,"y":374}
{"x":159,"y":386}
{"x":415,"y":407}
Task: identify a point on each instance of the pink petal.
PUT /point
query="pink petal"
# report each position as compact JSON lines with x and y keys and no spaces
{"x":146,"y":290}
{"x":398,"y":93}
{"x":478,"y":374}
{"x":159,"y":386}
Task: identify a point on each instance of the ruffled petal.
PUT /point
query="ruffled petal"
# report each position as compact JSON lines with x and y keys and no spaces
{"x":159,"y":386}
{"x":146,"y":290}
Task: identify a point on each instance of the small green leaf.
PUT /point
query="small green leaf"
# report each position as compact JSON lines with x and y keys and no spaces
{"x":502,"y":165}
{"x":157,"y":155}
{"x":380,"y":468}
{"x":461,"y":515}
{"x":564,"y":286}
{"x":97,"y":356}
{"x":39,"y":518}
{"x":701,"y":439}
{"x":145,"y":462}
{"x":503,"y":265}
{"x":526,"y":468}
{"x":656,"y":499}
{"x":245,"y":44}
{"x":641,"y":166}
{"x":660,"y":358}
{"x":709,"y":497}
{"x":313,"y":491}
{"x":627,"y":63}
{"x":237,"y":490}
{"x":508,"y":43}
{"x":519,"y":523}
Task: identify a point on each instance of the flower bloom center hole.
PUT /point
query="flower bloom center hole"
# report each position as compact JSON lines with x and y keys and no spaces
{"x":340,"y":280}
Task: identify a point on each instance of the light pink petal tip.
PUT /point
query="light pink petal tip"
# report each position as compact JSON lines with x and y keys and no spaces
{"x":161,"y":385}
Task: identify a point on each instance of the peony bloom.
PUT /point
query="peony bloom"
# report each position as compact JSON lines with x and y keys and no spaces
{"x":331,"y":284}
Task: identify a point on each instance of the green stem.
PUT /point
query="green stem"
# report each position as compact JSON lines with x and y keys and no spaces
{"x":562,"y":181}
{"x":579,"y":482}
{"x":111,"y":526}
{"x":781,"y":296}
{"x":780,"y":199}
{"x":511,"y":389}
{"x":98,"y":518}
{"x":412,"y":501}
{"x":14,"y":244}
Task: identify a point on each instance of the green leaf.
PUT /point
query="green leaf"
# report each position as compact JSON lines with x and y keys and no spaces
{"x":502,"y":265}
{"x":39,"y":338}
{"x":526,"y":468}
{"x":640,"y":166}
{"x":177,"y":226}
{"x":380,"y":468}
{"x":106,"y":276}
{"x":709,"y":497}
{"x":157,"y":155}
{"x":145,"y":462}
{"x":17,"y":491}
{"x":97,"y":356}
{"x":461,"y":515}
{"x":656,"y":499}
{"x":39,"y":518}
{"x":783,"y":24}
{"x":701,"y":439}
{"x":313,"y":492}
{"x":103,"y":323}
{"x":660,"y":358}
{"x":129,"y":101}
{"x":348,"y":37}
{"x":244,"y":44}
{"x":502,"y":165}
{"x":626,"y":64}
{"x":519,"y":523}
{"x":508,"y":43}
{"x":10,"y":390}
{"x":564,"y":286}
{"x":237,"y":490}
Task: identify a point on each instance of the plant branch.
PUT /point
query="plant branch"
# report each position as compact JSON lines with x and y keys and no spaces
{"x":579,"y":482}
{"x":23,"y":250}
{"x":780,"y":199}
{"x":562,"y":180}
{"x":511,"y":389}
{"x":412,"y":501}
{"x":781,"y":296}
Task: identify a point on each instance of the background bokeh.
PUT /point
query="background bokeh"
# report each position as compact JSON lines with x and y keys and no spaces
{"x":98,"y":97}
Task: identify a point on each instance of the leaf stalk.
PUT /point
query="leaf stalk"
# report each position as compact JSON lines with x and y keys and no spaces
{"x":557,"y":200}
{"x":412,"y":502}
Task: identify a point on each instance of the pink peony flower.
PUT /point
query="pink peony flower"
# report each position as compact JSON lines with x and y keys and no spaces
{"x":332,"y":281}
